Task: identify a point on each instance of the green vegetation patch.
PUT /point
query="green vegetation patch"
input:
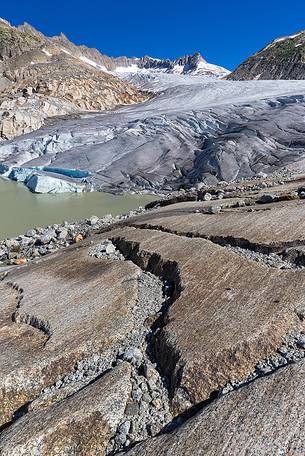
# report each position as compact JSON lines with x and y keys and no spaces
{"x":286,"y":49}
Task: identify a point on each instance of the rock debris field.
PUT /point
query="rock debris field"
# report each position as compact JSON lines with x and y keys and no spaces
{"x":173,"y":330}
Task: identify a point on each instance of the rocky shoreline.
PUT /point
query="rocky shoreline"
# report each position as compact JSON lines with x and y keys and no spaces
{"x":40,"y":241}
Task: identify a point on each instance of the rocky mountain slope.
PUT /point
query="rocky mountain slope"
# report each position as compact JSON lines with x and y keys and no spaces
{"x":42,"y":77}
{"x":189,"y":64}
{"x":284,"y":58}
{"x":39,"y":79}
{"x":173,"y":332}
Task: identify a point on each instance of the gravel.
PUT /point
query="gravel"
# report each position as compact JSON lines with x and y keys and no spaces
{"x":147,"y":411}
{"x":38,"y":242}
{"x":106,"y":249}
{"x":271,"y":260}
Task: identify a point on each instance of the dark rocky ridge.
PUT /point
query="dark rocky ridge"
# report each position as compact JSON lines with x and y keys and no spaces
{"x":284,"y":58}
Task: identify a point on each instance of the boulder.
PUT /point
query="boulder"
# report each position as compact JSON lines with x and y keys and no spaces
{"x":47,"y":237}
{"x":267,"y":198}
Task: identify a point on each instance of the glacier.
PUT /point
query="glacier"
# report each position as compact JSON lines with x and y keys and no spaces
{"x":193,"y":129}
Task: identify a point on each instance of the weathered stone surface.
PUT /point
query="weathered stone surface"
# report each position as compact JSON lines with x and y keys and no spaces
{"x":82,"y":424}
{"x":265,"y":418}
{"x":268,"y":227}
{"x":67,"y":308}
{"x":229,"y":313}
{"x":20,"y":115}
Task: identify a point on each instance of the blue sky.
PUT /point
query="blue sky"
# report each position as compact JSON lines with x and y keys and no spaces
{"x":225,"y":32}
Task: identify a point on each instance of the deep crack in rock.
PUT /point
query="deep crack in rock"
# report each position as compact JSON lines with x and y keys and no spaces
{"x":31,"y":320}
{"x":254,"y":252}
{"x":291,"y":351}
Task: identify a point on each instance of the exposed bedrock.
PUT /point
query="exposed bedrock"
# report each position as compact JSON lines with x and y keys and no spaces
{"x":269,"y":228}
{"x":64,"y":352}
{"x":154,"y":334}
{"x":229,"y":312}
{"x":73,"y":300}
{"x":82,"y":424}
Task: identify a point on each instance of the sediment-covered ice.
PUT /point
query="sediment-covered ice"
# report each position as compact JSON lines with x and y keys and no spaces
{"x":192,"y":130}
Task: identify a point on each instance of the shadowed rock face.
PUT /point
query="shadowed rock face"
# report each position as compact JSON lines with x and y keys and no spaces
{"x":283,"y":58}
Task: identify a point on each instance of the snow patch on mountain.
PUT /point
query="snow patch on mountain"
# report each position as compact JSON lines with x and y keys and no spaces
{"x":92,"y":63}
{"x":129,"y":69}
{"x":188,"y":65}
{"x":46,"y":52}
{"x":284,"y":38}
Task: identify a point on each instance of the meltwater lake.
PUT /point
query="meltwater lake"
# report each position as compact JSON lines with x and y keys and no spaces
{"x":21,"y":210}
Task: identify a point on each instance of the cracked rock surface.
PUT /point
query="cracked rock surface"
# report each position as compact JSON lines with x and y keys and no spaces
{"x":264,"y":418}
{"x":156,"y":336}
{"x":267,"y":228}
{"x":85,"y":303}
{"x":229,"y":312}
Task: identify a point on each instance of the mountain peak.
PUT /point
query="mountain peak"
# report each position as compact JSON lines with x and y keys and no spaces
{"x":198,"y":56}
{"x":62,"y":38}
{"x":29,"y":29}
{"x":25,"y":37}
{"x":191,"y":64}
